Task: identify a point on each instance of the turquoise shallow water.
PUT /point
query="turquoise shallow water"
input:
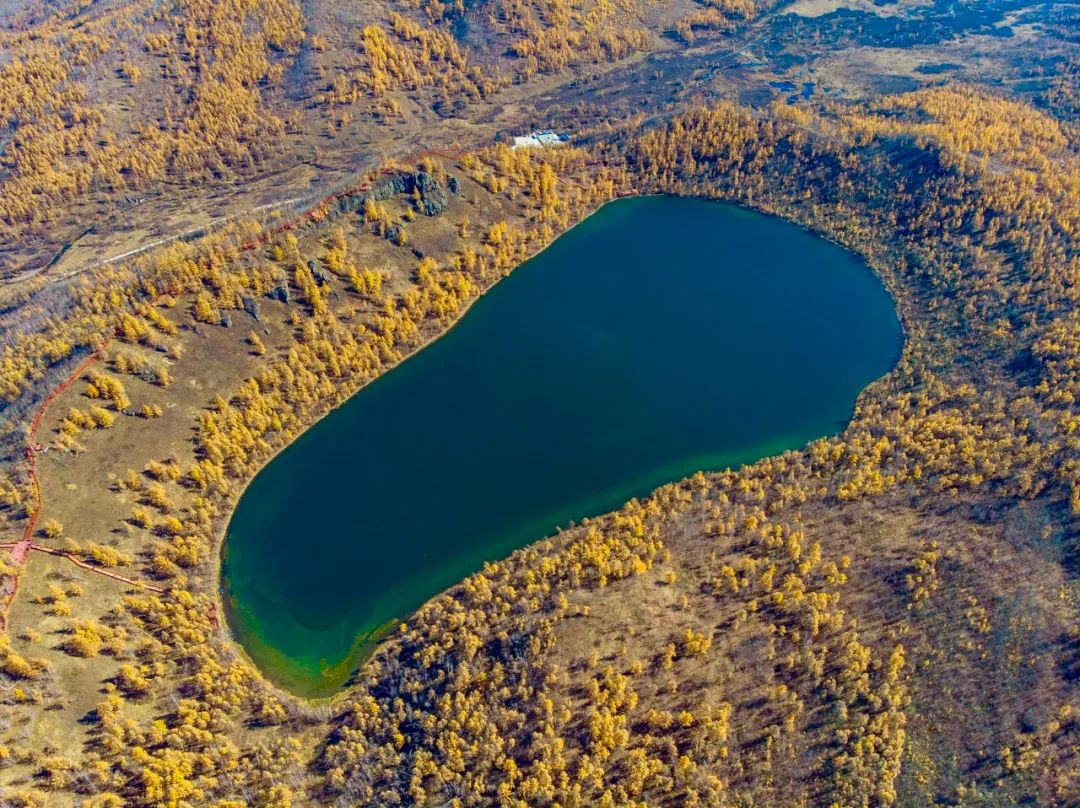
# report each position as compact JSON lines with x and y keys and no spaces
{"x":659,"y":337}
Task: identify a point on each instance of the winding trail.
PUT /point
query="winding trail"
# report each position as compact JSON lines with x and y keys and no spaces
{"x":316,"y":201}
{"x":20,"y":551}
{"x":74,"y":559}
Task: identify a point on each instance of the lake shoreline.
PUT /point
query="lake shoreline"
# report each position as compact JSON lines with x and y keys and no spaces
{"x":221,"y":604}
{"x":766,"y":217}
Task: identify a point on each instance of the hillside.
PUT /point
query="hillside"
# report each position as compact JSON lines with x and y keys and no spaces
{"x":130,"y":123}
{"x":887,"y":616}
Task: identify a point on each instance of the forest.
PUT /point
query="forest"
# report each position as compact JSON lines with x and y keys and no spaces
{"x":887,"y":616}
{"x":811,"y":603}
{"x":107,"y":108}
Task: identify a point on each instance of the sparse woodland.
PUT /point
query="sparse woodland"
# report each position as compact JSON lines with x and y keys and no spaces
{"x":106,"y":108}
{"x":889,"y":616}
{"x":206,"y":59}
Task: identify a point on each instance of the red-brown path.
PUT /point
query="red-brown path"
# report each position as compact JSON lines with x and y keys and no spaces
{"x":21,"y":549}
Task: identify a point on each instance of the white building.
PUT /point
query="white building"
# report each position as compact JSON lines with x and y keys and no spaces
{"x":534,"y":139}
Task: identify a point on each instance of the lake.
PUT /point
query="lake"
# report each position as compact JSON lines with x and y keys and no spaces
{"x":659,"y":337}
